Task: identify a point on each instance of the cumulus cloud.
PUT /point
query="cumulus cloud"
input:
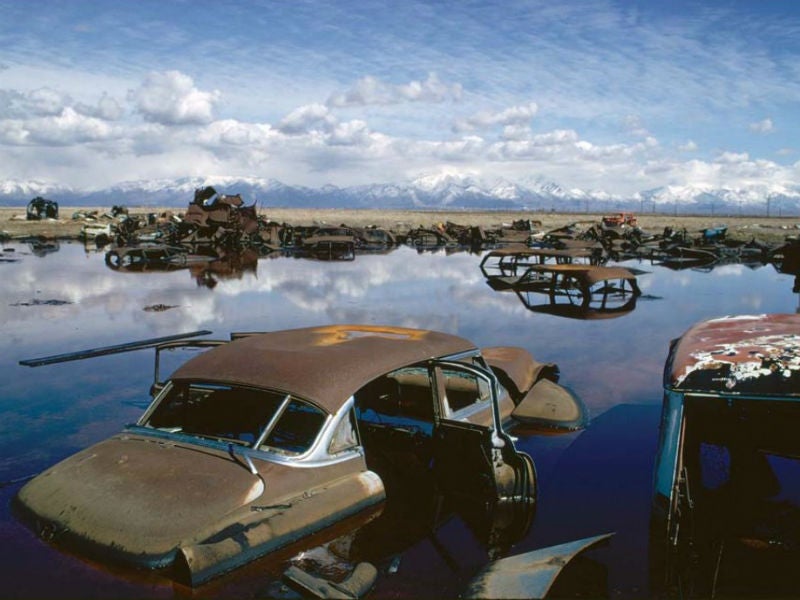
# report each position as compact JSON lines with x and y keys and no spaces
{"x":107,"y":108}
{"x":371,"y":91}
{"x":305,"y":118}
{"x":732,"y":157}
{"x":230,"y":132}
{"x":171,"y":98}
{"x":764,"y":126}
{"x":515,"y":116}
{"x":689,"y":146}
{"x":46,"y":102}
{"x":67,"y":128}
{"x":352,"y":133}
{"x":36,"y":103}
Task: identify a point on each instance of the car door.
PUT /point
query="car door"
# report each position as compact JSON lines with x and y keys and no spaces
{"x":475,"y":462}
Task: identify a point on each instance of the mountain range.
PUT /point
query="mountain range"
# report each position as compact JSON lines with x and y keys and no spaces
{"x":441,"y":191}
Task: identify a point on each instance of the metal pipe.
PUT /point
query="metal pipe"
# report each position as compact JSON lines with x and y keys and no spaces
{"x":127,"y":347}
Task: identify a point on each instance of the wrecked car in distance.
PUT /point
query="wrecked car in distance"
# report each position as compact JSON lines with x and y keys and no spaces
{"x":266,"y":439}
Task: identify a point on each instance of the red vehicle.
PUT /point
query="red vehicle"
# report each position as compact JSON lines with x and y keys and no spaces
{"x":623,"y":219}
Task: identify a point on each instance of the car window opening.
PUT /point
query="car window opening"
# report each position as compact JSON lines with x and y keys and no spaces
{"x":395,"y":415}
{"x":269,"y":420}
{"x":743,"y":467}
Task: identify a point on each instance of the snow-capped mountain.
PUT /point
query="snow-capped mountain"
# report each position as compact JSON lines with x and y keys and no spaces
{"x":454,"y":191}
{"x":754,"y":199}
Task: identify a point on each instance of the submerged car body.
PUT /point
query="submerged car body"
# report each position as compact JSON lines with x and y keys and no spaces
{"x":268,"y":438}
{"x":726,"y":501}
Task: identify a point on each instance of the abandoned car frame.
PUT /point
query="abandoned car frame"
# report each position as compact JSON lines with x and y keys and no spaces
{"x":726,"y":502}
{"x":268,"y":438}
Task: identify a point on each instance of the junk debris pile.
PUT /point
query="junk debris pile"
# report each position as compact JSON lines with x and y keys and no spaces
{"x":216,"y":225}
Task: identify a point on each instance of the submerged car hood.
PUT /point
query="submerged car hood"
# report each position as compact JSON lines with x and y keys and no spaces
{"x":140,"y":497}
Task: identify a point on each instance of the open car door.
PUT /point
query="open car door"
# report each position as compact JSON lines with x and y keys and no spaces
{"x":475,"y":462}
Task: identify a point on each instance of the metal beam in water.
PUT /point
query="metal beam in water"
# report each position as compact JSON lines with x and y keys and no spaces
{"x":129,"y":346}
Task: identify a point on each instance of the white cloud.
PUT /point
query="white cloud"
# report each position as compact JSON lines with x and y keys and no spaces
{"x":107,"y":108}
{"x":229,"y":132}
{"x":732,"y":158}
{"x":170,"y":98}
{"x":689,"y":146}
{"x":36,"y":103}
{"x":352,"y":133}
{"x":306,"y":118}
{"x":764,"y":126}
{"x":371,"y":91}
{"x":67,"y":128}
{"x":515,"y":116}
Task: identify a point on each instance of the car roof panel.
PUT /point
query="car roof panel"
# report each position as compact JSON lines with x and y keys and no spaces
{"x":323,"y":364}
{"x":754,"y":354}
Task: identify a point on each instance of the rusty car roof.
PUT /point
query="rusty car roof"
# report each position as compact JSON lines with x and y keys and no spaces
{"x":323,"y":364}
{"x":758,"y":354}
{"x":588,"y":274}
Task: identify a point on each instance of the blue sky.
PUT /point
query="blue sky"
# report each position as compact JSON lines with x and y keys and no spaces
{"x":596,"y":95}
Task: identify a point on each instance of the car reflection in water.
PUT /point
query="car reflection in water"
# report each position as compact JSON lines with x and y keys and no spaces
{"x":206,"y":268}
{"x":726,"y":504}
{"x":564,"y":283}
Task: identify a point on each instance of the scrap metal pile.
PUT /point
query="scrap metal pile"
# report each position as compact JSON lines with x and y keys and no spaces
{"x":217,"y":225}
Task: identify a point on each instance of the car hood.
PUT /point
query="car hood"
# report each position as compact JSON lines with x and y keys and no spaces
{"x":140,"y":497}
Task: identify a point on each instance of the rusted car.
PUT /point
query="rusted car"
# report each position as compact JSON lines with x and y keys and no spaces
{"x":623,"y":219}
{"x":146,"y":257}
{"x":726,"y":501}
{"x":574,"y":290}
{"x":513,"y":262}
{"x":261,"y":441}
{"x":328,"y":247}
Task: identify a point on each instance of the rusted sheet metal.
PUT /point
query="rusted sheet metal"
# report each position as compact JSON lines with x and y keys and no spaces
{"x":275,"y":527}
{"x":171,"y":498}
{"x":589,"y":275}
{"x":516,"y":368}
{"x":342,"y":357}
{"x":538,"y":399}
{"x":356,"y":585}
{"x":511,"y":261}
{"x":549,"y":406}
{"x":555,"y":278}
{"x":575,"y":243}
{"x":749,"y":353}
{"x":528,"y":575}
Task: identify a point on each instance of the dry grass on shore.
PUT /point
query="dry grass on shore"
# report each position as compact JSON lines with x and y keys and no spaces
{"x":765,"y":229}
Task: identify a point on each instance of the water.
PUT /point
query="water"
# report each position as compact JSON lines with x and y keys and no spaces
{"x":62,"y":299}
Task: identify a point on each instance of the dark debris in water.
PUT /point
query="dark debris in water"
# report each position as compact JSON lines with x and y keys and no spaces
{"x":159,"y":307}
{"x":37,"y":302}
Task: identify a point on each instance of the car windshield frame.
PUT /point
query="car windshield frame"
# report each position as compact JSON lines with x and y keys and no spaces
{"x":185,"y":408}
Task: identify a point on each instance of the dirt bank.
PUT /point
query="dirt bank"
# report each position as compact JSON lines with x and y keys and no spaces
{"x":13,"y":224}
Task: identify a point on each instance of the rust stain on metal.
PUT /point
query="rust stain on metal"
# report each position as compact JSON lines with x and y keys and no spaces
{"x":338,"y":334}
{"x":738,"y":350}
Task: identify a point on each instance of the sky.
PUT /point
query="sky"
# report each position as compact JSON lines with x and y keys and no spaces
{"x":601,"y":95}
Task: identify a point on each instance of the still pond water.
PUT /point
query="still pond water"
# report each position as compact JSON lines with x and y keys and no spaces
{"x":590,"y":482}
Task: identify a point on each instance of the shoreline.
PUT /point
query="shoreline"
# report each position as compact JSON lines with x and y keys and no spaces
{"x":14,"y":226}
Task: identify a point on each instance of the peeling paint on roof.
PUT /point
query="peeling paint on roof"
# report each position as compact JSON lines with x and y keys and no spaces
{"x":755,"y":354}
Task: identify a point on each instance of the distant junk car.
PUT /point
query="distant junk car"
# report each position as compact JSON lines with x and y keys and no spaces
{"x":41,"y":208}
{"x":726,"y":500}
{"x":264,"y":440}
